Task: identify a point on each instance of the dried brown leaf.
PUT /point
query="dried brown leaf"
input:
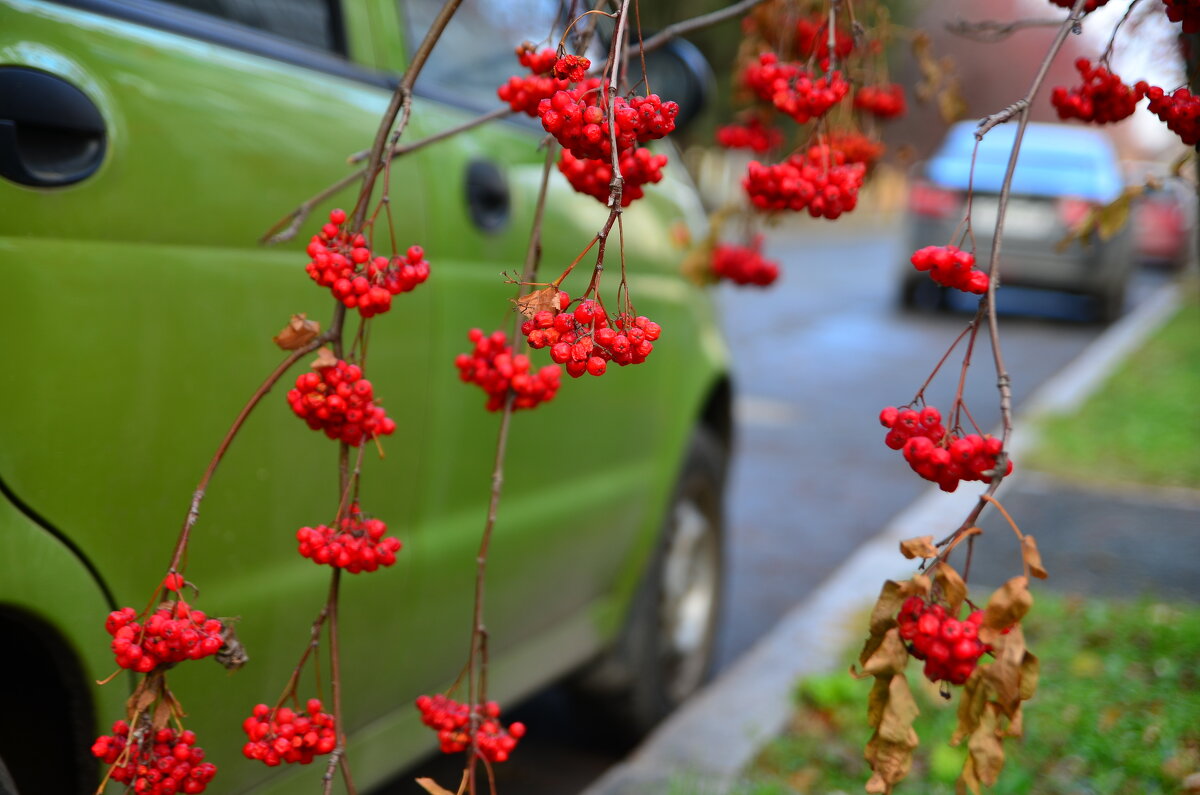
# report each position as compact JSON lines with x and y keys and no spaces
{"x":985,"y":751}
{"x":143,"y":696}
{"x":953,"y":589}
{"x":1007,"y":606}
{"x":1180,"y":162}
{"x":886,"y":658}
{"x":325,"y":358}
{"x":543,"y":300}
{"x":951,"y":104}
{"x":1033,"y":558}
{"x":1113,"y":216}
{"x":1030,"y":672}
{"x":877,"y":701}
{"x":432,"y":787}
{"x":970,"y":706}
{"x":162,"y":714}
{"x":297,"y":333}
{"x":895,"y":725}
{"x":919,"y":547}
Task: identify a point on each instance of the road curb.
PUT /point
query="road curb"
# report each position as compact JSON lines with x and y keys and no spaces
{"x":708,"y":741}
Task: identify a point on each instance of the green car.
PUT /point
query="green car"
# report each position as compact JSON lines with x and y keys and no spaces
{"x":145,"y":146}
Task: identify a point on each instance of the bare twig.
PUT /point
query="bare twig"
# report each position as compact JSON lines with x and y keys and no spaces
{"x":989,"y":30}
{"x":686,"y":26}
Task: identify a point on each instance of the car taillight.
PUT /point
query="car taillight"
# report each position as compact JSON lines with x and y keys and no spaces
{"x":1072,"y":210}
{"x":926,"y":199}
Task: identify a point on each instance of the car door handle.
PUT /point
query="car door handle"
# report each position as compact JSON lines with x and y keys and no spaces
{"x":487,"y":195}
{"x":51,"y":133}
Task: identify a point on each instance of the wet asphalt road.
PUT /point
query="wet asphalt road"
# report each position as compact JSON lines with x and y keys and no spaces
{"x":815,"y":359}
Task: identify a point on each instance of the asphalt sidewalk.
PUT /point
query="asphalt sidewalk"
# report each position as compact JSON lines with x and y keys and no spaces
{"x":1104,"y":542}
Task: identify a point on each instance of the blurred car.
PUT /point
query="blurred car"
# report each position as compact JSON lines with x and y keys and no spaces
{"x":144,"y":148}
{"x":1062,"y":172}
{"x":1163,"y":217}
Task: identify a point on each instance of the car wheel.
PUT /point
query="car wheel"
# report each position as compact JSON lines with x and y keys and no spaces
{"x":667,"y":648}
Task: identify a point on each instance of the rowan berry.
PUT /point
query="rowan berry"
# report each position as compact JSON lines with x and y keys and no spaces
{"x":1179,"y":110}
{"x":339,"y":401}
{"x":354,"y":544}
{"x":819,"y":180}
{"x":452,"y":721}
{"x":163,"y":762}
{"x":174,"y":632}
{"x":278,"y":736}
{"x":592,"y":176}
{"x":496,"y":369}
{"x":950,"y":650}
{"x":937,"y":455}
{"x":744,"y":264}
{"x":754,"y":134}
{"x":883,"y":101}
{"x":1101,"y":99}
{"x":1185,"y":11}
{"x":576,"y":337}
{"x":950,"y":267}
{"x":792,"y":89}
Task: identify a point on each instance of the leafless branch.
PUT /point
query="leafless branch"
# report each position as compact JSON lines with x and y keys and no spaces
{"x":990,"y":30}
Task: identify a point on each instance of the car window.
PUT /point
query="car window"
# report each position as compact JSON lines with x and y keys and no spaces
{"x":475,"y":53}
{"x":316,"y":23}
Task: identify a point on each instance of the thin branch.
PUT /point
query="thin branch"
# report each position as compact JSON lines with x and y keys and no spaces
{"x":686,"y":26}
{"x":990,"y":30}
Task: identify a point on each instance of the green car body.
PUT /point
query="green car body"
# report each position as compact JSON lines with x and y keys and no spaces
{"x":139,"y":309}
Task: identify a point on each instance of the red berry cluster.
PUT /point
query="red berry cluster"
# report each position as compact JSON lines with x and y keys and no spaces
{"x":572,"y":68}
{"x":173,"y":633}
{"x":883,"y":101}
{"x":792,"y":89}
{"x":524,"y":92}
{"x":819,"y":180}
{"x":1101,"y":98}
{"x":949,"y":647}
{"x":585,"y":342}
{"x":753,"y":135}
{"x":284,"y":735}
{"x":1180,"y":110}
{"x":856,"y":147}
{"x":344,"y":264}
{"x":1088,"y":7}
{"x":812,"y":35}
{"x":452,"y":721}
{"x":938,"y":456}
{"x":744,"y":264}
{"x":950,"y":267}
{"x":578,"y":118}
{"x":494,"y":367}
{"x":338,"y":400}
{"x":1185,"y":11}
{"x":355,"y":544}
{"x":591,"y":176}
{"x":163,"y":762}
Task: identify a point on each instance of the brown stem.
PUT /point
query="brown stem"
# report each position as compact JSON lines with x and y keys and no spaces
{"x":338,"y":757}
{"x":696,"y":23}
{"x":198,"y":496}
{"x":921,"y":392}
{"x":992,"y":31}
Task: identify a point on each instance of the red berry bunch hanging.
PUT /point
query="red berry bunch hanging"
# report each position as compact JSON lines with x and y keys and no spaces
{"x":343,"y":263}
{"x":452,"y":721}
{"x":578,"y":119}
{"x":744,"y":264}
{"x":339,"y":401}
{"x":1180,"y":110}
{"x":812,"y":35}
{"x":950,"y":267}
{"x":1088,"y":7}
{"x":882,"y":101}
{"x":524,"y":92}
{"x":856,"y":147}
{"x":1185,"y":11}
{"x":1101,"y":98}
{"x":941,"y":457}
{"x":162,"y":762}
{"x":591,"y":176}
{"x":572,"y":68}
{"x":819,"y":180}
{"x":284,"y":735}
{"x":792,"y":89}
{"x":949,"y":647}
{"x":173,"y":633}
{"x":494,"y":367}
{"x":584,"y":341}
{"x":754,"y":135}
{"x":354,"y":544}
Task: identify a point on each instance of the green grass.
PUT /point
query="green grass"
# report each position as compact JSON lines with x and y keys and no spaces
{"x":1117,"y":712}
{"x":1143,"y":425}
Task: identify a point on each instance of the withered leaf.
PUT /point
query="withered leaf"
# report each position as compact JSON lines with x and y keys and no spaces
{"x":297,"y":333}
{"x":878,"y":700}
{"x":1008,"y":605}
{"x":895,"y":724}
{"x":953,"y":589}
{"x":1180,"y":162}
{"x":1105,"y":221}
{"x":143,"y":696}
{"x":970,"y":706}
{"x":543,"y":300}
{"x":432,"y":787}
{"x":985,"y":757}
{"x":162,"y":713}
{"x":887,"y":657}
{"x":1030,"y":671}
{"x":325,"y":358}
{"x":1033,"y":558}
{"x":951,"y":104}
{"x":919,"y":547}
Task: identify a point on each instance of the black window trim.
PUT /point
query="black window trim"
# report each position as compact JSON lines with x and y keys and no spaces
{"x":214,"y":30}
